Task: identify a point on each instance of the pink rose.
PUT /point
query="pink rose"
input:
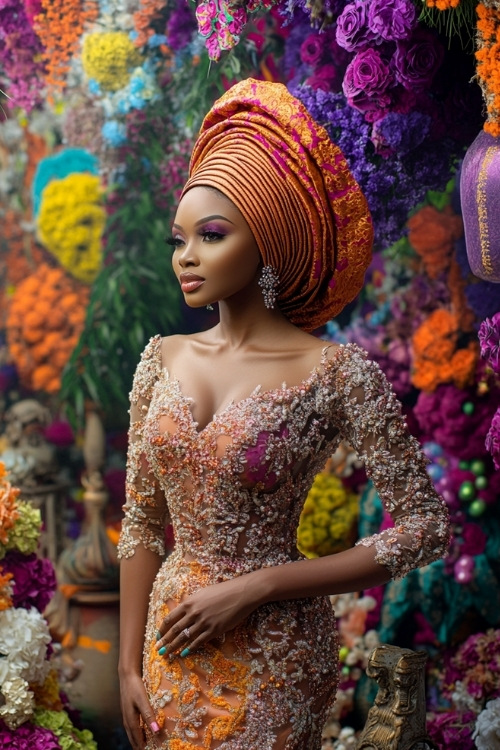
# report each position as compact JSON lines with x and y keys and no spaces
{"x":206,"y":12}
{"x":353,"y":32}
{"x":311,"y":50}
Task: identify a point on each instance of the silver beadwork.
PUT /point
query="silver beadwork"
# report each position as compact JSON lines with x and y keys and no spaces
{"x":268,"y":282}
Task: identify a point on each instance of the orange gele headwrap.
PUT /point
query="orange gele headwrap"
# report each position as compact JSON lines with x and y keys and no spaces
{"x":260,"y":147}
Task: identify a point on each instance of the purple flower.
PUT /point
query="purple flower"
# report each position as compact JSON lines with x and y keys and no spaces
{"x":311,"y":49}
{"x":180,"y":27}
{"x":27,"y":737}
{"x":400,"y":133}
{"x":326,"y":77}
{"x":492,"y":442}
{"x":391,"y":19}
{"x":417,"y":60}
{"x":474,"y":539}
{"x":366,"y":81}
{"x":452,"y":728}
{"x":489,"y":339}
{"x":34,"y":579}
{"x":353,"y":32}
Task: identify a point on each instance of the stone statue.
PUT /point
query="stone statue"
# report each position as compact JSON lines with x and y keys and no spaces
{"x":29,"y":458}
{"x":396,"y":721}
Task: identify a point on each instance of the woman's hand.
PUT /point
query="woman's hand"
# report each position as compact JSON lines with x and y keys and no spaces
{"x":135,"y":703}
{"x":207,"y":614}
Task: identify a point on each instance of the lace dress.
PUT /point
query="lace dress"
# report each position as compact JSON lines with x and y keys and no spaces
{"x":234,"y":493}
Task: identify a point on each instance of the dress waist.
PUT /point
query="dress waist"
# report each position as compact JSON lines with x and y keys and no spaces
{"x":223,"y":567}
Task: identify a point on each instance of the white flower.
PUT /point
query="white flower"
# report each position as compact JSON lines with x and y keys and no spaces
{"x":24,"y":637}
{"x":487,"y":732}
{"x":19,"y":702}
{"x":463,"y":700}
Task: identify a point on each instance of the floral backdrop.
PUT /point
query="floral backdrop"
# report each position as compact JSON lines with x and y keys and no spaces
{"x":100,"y":105}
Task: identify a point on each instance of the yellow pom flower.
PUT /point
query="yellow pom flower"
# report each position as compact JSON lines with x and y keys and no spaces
{"x":328,"y":520}
{"x":71,"y":223}
{"x":109,"y":58}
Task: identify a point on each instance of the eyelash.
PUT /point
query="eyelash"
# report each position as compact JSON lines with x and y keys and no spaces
{"x":176,"y":242}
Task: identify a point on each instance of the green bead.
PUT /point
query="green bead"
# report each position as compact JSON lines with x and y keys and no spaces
{"x":467,"y":491}
{"x":481,"y":483}
{"x":464,"y":465}
{"x":343,"y":653}
{"x":477,"y":508}
{"x":345,"y":670}
{"x":468,"y":408}
{"x":477,"y":467}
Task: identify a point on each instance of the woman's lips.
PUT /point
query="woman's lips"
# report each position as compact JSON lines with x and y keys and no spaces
{"x":190,"y":282}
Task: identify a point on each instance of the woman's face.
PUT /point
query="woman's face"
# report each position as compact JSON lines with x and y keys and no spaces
{"x":215,"y":254}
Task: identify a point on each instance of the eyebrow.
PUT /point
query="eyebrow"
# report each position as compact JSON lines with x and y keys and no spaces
{"x":205,"y":219}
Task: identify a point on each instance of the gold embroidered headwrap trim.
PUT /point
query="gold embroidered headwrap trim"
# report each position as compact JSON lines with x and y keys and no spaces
{"x":260,"y":147}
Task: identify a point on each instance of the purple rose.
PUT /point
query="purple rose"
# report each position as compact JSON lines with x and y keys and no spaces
{"x":392,"y":19}
{"x":492,"y":441}
{"x":353,"y":32}
{"x":311,"y":50}
{"x":416,"y":60}
{"x":489,"y":339}
{"x":366,"y":82}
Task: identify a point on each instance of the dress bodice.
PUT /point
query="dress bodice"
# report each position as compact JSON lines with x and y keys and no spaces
{"x":235,"y":489}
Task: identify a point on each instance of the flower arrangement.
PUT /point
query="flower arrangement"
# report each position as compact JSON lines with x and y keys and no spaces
{"x":489,"y":339}
{"x":488,"y":44}
{"x":44,"y":321}
{"x":328,"y":519}
{"x":432,"y":234}
{"x":20,"y":56}
{"x":33,"y":712}
{"x":472,"y":684}
{"x":108,"y":57}
{"x":59,"y":26}
{"x":71,"y":222}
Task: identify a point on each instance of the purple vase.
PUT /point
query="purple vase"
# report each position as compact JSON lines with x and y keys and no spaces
{"x":480,"y":198}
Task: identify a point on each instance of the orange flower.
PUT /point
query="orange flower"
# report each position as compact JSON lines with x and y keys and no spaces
{"x":5,"y":596}
{"x":40,"y":334}
{"x":8,"y":506}
{"x":60,"y":26}
{"x":432,"y":234}
{"x":442,"y":4}
{"x":488,"y":68}
{"x":436,"y":358}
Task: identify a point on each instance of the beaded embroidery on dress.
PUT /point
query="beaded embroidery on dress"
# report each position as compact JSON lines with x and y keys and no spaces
{"x":234,"y":492}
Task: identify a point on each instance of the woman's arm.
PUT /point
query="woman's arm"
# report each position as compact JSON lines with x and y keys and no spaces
{"x":141,"y":550}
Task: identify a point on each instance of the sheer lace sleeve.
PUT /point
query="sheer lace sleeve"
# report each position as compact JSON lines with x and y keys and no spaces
{"x":369,"y":417}
{"x":145,"y":507}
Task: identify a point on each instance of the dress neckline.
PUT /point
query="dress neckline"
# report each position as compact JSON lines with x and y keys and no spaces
{"x":317,"y":371}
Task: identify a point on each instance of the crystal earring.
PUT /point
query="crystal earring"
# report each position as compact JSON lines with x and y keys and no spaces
{"x":209,"y":307}
{"x":268,"y":282}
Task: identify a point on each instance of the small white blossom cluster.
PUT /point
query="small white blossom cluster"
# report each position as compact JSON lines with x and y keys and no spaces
{"x":487,"y":732}
{"x":24,"y":636}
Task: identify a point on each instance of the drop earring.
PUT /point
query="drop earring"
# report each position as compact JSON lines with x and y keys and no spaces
{"x":268,"y":282}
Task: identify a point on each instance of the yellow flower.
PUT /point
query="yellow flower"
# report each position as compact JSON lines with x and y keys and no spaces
{"x":71,"y":223}
{"x":109,"y":58}
{"x":328,"y":520}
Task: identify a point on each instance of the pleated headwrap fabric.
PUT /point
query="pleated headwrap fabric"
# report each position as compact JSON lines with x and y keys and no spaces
{"x":260,"y":147}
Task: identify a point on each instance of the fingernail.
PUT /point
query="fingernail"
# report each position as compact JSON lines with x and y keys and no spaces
{"x":185,"y":652}
{"x":158,"y":635}
{"x":154,"y":727}
{"x":162,"y":650}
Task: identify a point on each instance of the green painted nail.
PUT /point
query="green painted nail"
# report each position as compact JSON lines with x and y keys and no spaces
{"x":185,"y":652}
{"x":158,"y":635}
{"x":162,"y":650}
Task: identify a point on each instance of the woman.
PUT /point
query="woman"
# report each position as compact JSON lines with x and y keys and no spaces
{"x":229,"y":428}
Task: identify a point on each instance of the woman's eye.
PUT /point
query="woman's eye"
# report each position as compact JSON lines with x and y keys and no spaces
{"x":174,"y":241}
{"x":212,"y":236}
